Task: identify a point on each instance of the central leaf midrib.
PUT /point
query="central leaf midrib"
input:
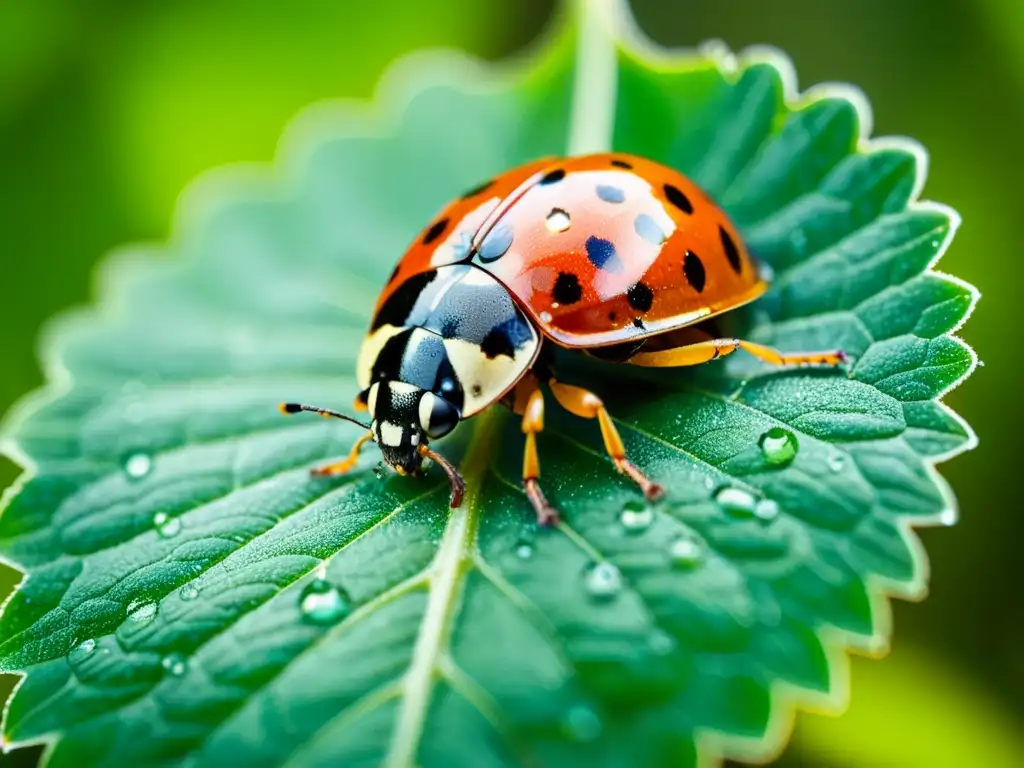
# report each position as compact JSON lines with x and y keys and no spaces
{"x":446,"y":582}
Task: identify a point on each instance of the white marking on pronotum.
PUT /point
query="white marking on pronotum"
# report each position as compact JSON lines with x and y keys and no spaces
{"x":390,"y":434}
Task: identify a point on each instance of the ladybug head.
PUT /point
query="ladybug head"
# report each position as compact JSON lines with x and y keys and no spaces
{"x":405,"y":419}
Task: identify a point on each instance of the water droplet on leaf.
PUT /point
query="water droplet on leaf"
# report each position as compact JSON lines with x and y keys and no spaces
{"x":524,"y":550}
{"x":138,"y":465}
{"x":603,"y":581}
{"x":636,"y":516}
{"x":324,"y":603}
{"x":836,"y":462}
{"x":189,"y":592}
{"x":766,"y":510}
{"x":141,"y":611}
{"x":166,"y":525}
{"x":779,"y":446}
{"x":582,"y":723}
{"x":174,"y":664}
{"x":736,"y":501}
{"x":948,"y":517}
{"x":82,"y":651}
{"x":686,"y":552}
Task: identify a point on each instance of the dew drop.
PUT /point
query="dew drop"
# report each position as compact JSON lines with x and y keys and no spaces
{"x":174,"y":664}
{"x":736,"y":501}
{"x":636,"y":517}
{"x":836,"y":462}
{"x":189,"y":592}
{"x":686,"y":552}
{"x":138,"y":465}
{"x":603,"y":581}
{"x":141,"y":611}
{"x":82,"y":651}
{"x":766,"y":510}
{"x":166,"y":525}
{"x":524,"y":550}
{"x":324,"y":603}
{"x":558,"y":220}
{"x":582,"y":723}
{"x":779,"y":446}
{"x":948,"y":517}
{"x":709,"y":483}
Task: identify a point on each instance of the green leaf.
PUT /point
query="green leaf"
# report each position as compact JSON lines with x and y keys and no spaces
{"x":194,"y":597}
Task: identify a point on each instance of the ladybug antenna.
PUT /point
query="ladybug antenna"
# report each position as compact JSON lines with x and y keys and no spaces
{"x":291,"y":408}
{"x":458,"y":484}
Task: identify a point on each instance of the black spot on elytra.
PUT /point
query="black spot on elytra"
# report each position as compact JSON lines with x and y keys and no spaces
{"x":552,"y":176}
{"x":400,"y":304}
{"x":567,"y":288}
{"x":732,"y":253}
{"x":621,"y":163}
{"x":640,"y":297}
{"x":678,"y":199}
{"x":435,"y":231}
{"x":599,"y":251}
{"x":693,"y":268}
{"x":478,"y":189}
{"x":638,"y":322}
{"x":611,"y":316}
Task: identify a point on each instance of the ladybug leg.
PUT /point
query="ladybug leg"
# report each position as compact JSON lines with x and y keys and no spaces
{"x":533,"y":422}
{"x":342,"y":467}
{"x":587,"y":405}
{"x":712,"y":349}
{"x":773,"y":356}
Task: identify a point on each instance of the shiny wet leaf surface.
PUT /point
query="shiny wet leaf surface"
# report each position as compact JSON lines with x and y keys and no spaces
{"x":196,"y":598}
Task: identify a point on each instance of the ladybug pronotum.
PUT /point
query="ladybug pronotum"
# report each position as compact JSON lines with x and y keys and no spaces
{"x":613,"y":255}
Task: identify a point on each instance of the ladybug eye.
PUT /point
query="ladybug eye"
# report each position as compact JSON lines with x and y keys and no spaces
{"x":438,"y":417}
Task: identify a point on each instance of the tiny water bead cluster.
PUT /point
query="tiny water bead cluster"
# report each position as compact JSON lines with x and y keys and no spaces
{"x":323,"y":603}
{"x":320,"y":603}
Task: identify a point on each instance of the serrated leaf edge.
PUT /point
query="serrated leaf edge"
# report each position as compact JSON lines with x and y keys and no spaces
{"x":376,"y":117}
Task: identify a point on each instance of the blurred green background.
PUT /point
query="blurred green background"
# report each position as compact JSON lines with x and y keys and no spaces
{"x":109,"y":107}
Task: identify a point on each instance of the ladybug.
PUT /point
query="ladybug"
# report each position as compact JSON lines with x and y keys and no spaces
{"x":613,"y":255}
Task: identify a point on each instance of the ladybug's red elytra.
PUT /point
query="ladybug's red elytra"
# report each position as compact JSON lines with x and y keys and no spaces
{"x":614,"y":255}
